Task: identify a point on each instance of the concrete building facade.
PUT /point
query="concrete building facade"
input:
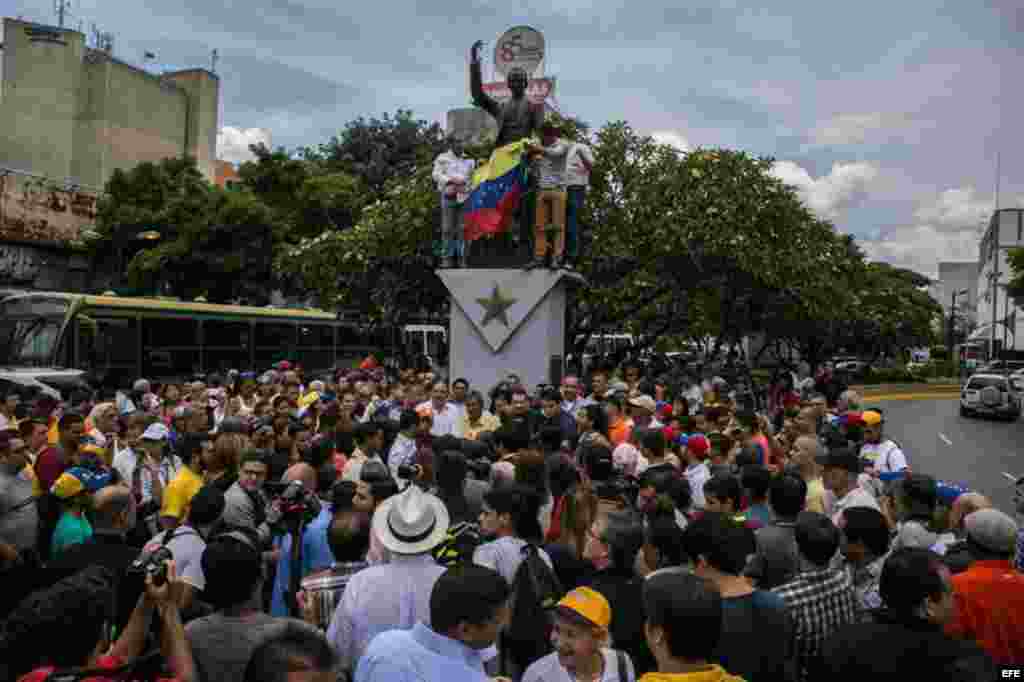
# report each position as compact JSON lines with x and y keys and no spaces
{"x":70,"y":115}
{"x":73,"y":113}
{"x":993,"y":307}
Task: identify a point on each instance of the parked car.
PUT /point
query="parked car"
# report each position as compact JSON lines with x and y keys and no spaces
{"x":990,"y":394}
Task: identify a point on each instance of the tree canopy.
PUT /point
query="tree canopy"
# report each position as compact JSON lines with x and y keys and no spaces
{"x":702,"y":244}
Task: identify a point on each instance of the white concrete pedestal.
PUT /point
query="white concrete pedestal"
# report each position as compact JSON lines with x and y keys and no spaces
{"x":505,"y":321}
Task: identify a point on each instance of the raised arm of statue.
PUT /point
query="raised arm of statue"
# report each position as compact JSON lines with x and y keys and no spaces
{"x":476,"y":85}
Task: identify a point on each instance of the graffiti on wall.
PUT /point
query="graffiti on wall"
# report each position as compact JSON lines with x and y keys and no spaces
{"x":18,"y":264}
{"x":35,"y":210}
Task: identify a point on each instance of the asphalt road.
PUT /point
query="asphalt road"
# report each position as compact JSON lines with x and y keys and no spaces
{"x":974,"y":452}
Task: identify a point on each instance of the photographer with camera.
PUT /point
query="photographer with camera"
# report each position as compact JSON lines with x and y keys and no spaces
{"x":186,"y":543}
{"x":246,"y":504}
{"x":72,"y":622}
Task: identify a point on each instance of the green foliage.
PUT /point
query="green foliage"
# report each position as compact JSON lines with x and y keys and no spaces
{"x":212,"y":242}
{"x":1015,"y":287}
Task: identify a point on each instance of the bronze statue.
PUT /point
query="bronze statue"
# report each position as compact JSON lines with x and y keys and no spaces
{"x":518,"y":117}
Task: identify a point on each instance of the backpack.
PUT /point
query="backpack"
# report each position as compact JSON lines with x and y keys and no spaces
{"x":458,"y":546}
{"x":535,"y":590}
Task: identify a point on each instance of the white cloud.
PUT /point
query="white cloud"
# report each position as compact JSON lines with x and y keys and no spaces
{"x":957,"y":209}
{"x":672,"y":139}
{"x":921,"y":247}
{"x":233,"y":143}
{"x":851,"y":129}
{"x":829,"y":194}
{"x":947,"y":227}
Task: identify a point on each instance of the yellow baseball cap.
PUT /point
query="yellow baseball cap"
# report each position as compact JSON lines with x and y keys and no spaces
{"x":590,"y":604}
{"x":871,"y":418}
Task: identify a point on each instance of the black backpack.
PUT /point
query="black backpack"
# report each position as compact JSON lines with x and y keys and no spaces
{"x":535,"y":590}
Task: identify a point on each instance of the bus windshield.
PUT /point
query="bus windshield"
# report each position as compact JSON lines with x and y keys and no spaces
{"x":30,"y":330}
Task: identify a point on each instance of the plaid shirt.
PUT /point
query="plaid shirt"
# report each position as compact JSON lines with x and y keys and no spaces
{"x":819,"y":603}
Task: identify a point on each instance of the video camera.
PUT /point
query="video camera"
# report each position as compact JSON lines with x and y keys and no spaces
{"x":153,"y":564}
{"x":296,"y":504}
{"x":410,"y":472}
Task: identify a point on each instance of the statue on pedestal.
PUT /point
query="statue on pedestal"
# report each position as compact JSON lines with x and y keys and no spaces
{"x":517,"y":118}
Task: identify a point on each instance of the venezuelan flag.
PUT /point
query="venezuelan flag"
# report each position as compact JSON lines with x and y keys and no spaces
{"x":495,"y":191}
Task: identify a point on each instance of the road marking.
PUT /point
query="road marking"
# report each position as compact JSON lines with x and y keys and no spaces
{"x":944,"y":439}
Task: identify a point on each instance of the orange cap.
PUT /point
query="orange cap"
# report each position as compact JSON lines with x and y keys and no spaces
{"x":590,"y":604}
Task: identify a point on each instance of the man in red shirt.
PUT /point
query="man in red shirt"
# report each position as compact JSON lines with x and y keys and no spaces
{"x":989,"y":596}
{"x":50,"y":464}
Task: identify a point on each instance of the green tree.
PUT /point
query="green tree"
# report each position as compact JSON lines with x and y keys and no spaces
{"x":212,"y":242}
{"x":1015,"y":287}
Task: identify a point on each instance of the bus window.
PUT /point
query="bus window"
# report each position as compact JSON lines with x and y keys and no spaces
{"x":170,"y":347}
{"x":316,"y":346}
{"x":107,"y":343}
{"x":274,"y":342}
{"x":226,"y":345}
{"x":29,"y":330}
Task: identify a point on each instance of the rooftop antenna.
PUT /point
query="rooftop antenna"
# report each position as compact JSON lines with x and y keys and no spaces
{"x":62,"y":8}
{"x":214,"y":56}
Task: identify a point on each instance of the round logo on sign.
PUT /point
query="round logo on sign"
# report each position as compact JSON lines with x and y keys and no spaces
{"x":520,"y":47}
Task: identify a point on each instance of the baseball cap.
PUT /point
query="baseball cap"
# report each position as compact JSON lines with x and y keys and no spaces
{"x":78,"y":480}
{"x":993,"y":530}
{"x":699,"y":445}
{"x":588,"y":604}
{"x":841,"y":458}
{"x":871,"y":418}
{"x":155,"y":432}
{"x":141,"y":385}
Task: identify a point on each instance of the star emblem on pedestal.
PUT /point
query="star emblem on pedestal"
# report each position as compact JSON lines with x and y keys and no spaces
{"x":496,"y":307}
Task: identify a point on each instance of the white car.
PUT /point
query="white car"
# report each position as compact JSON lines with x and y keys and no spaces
{"x":991,"y":394}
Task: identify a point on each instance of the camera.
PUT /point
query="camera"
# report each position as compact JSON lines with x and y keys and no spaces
{"x":409,"y":471}
{"x":153,"y":564}
{"x":480,"y":468}
{"x":295,"y":502}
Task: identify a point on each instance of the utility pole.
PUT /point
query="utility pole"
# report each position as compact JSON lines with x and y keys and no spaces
{"x":214,"y":56}
{"x":995,"y":285}
{"x":63,"y":8}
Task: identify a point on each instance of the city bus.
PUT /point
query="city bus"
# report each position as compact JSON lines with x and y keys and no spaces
{"x":112,"y":337}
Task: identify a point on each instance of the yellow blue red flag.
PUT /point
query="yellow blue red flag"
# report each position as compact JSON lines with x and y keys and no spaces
{"x":495,"y":191}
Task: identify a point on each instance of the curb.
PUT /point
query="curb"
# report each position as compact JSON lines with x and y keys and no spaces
{"x":883,"y":397}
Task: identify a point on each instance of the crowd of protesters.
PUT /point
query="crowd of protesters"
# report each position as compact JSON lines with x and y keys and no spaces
{"x":375,"y":526}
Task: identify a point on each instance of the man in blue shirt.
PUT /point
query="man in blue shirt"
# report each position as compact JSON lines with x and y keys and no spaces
{"x":468,"y":607}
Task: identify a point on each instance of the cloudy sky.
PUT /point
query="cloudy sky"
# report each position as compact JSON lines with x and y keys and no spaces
{"x":886,"y":115}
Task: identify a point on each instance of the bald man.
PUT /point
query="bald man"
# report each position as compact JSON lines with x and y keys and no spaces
{"x":316,"y":552}
{"x":113,"y":517}
{"x":956,"y":554}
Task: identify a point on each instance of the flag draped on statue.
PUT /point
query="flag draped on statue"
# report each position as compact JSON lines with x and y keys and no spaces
{"x":495,"y":191}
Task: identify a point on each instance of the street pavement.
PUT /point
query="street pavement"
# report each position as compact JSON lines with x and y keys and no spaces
{"x":941,"y":443}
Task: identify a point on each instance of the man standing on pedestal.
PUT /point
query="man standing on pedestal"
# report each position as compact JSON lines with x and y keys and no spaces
{"x":578,"y":164}
{"x":452,"y":174}
{"x":550,"y":197}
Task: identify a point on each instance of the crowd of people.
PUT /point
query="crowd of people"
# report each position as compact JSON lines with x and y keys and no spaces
{"x":372,"y":525}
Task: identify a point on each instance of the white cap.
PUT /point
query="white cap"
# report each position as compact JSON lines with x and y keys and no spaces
{"x":156,"y":432}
